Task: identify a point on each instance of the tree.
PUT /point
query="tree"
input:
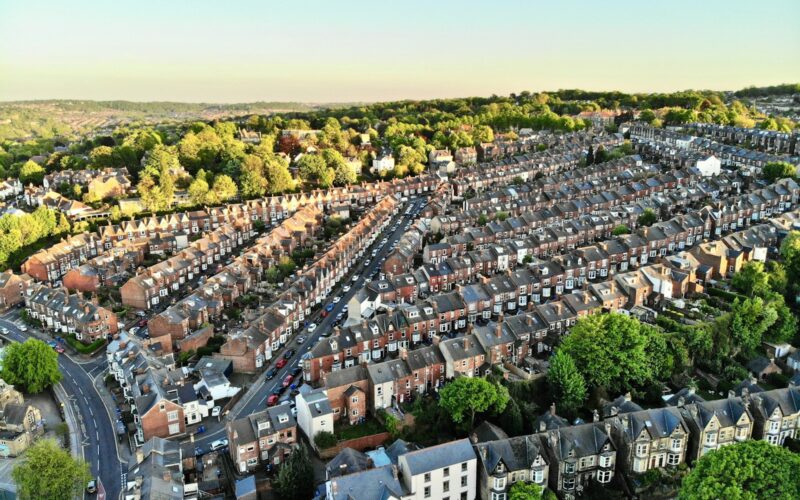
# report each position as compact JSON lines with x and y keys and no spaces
{"x":251,"y":177}
{"x":48,"y":471}
{"x":198,"y":191}
{"x":522,"y":490}
{"x":620,"y":230}
{"x":293,"y":476}
{"x":567,"y":385}
{"x":31,"y":364}
{"x":313,"y":169}
{"x":324,"y":439}
{"x":751,"y":280}
{"x":790,"y":251}
{"x":778,"y":281}
{"x":775,"y":170}
{"x":31,"y":173}
{"x":276,"y":171}
{"x":223,"y":189}
{"x":747,"y":470}
{"x":511,"y":420}
{"x":466,"y":396}
{"x":648,"y":218}
{"x":749,"y":320}
{"x":610,"y":350}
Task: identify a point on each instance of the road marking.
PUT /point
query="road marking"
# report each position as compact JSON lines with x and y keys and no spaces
{"x":91,"y":412}
{"x":97,"y":434}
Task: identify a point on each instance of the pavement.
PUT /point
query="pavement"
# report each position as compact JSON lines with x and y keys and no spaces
{"x":260,"y":389}
{"x":98,"y":441}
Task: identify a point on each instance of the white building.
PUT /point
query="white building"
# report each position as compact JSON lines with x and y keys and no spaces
{"x":314,"y":413}
{"x":709,"y":166}
{"x":445,"y":471}
{"x":382,"y":163}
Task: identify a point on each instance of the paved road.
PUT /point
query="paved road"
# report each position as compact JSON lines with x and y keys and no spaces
{"x":259,"y":391}
{"x":97,"y":428}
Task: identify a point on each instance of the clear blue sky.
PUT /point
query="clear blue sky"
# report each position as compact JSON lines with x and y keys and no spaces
{"x":341,"y":50}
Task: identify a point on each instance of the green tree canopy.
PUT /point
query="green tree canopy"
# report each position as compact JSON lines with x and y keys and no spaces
{"x":749,"y":321}
{"x":648,"y":218}
{"x":48,"y":471}
{"x":775,"y":170}
{"x":612,"y":351}
{"x":466,"y":396}
{"x":31,"y":173}
{"x":293,"y":476}
{"x":751,"y":470}
{"x":522,"y":490}
{"x":313,"y":169}
{"x":621,"y":229}
{"x":567,"y":385}
{"x":251,"y":177}
{"x":751,"y":280}
{"x":32,"y":365}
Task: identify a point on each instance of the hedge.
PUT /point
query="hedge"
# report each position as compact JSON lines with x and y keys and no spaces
{"x":724,"y":294}
{"x":85,"y":348}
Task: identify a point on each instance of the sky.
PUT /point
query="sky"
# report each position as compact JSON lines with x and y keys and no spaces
{"x":345,"y":51}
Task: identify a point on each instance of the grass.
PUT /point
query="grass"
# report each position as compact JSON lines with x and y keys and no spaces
{"x":85,"y":348}
{"x":369,"y":427}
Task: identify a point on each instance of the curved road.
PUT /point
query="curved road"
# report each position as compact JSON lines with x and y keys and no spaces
{"x":98,"y":438}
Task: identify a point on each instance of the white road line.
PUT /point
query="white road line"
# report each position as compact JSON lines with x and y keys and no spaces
{"x":97,"y":434}
{"x":98,"y":450}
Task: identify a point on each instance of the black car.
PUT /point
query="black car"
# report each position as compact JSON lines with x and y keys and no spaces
{"x":296,"y":371}
{"x":271,"y":373}
{"x":288,"y":354}
{"x":278,"y":390}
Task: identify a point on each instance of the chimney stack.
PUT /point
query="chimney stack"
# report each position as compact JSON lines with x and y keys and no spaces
{"x":595,"y":416}
{"x":403,"y":353}
{"x":553,"y":409}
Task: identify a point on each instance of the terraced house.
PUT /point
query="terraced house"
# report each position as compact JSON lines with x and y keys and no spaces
{"x":62,"y":312}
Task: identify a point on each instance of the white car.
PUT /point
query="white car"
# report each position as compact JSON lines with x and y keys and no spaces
{"x":336,"y":299}
{"x":216,"y":411}
{"x":355,"y":278}
{"x":346,"y":288}
{"x":4,"y":330}
{"x":23,"y":328}
{"x":301,"y":339}
{"x":312,"y":327}
{"x":366,"y":262}
{"x":219,"y":444}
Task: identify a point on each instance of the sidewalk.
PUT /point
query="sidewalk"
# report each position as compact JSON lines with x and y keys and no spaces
{"x":123,"y":449}
{"x":72,"y":420}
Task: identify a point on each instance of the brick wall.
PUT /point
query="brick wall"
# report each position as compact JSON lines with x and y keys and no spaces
{"x":359,"y":444}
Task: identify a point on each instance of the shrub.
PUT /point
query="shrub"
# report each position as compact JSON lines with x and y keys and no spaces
{"x":325,"y":440}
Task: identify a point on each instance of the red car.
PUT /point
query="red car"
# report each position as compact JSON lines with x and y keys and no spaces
{"x":281,"y":363}
{"x":288,"y":381}
{"x":272,"y":400}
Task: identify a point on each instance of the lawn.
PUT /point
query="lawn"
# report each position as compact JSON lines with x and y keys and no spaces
{"x":369,"y":427}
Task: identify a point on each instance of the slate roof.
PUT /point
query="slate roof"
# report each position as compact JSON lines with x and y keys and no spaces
{"x":439,"y":456}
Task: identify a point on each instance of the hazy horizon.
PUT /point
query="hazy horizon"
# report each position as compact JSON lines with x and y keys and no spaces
{"x":316,"y":52}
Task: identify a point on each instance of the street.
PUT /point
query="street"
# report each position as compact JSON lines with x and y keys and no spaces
{"x":259,"y":391}
{"x":96,"y":426}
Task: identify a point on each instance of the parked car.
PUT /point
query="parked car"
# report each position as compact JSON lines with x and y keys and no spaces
{"x":296,"y":371}
{"x":281,"y":363}
{"x":91,"y":487}
{"x":272,"y":400}
{"x":219,"y":444}
{"x":339,"y":316}
{"x":215,"y":412}
{"x":336,"y":300}
{"x":270,"y":374}
{"x":23,"y":328}
{"x":355,"y":278}
{"x":288,"y":354}
{"x":301,"y":339}
{"x":329,"y":307}
{"x":346,"y":288}
{"x":287,"y":381}
{"x":4,"y":330}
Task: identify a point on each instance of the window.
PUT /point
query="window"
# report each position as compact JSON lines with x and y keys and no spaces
{"x":569,"y":483}
{"x":427,"y":491}
{"x":605,"y":461}
{"x":673,"y":459}
{"x":172,"y":416}
{"x":537,"y":476}
{"x":446,"y":486}
{"x":569,"y":468}
{"x":464,"y":467}
{"x":355,"y":399}
{"x":446,"y":472}
{"x":604,"y":476}
{"x":174,"y":428}
{"x":499,"y":483}
{"x":427,"y":477}
{"x":463,"y":481}
{"x":711,"y":438}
